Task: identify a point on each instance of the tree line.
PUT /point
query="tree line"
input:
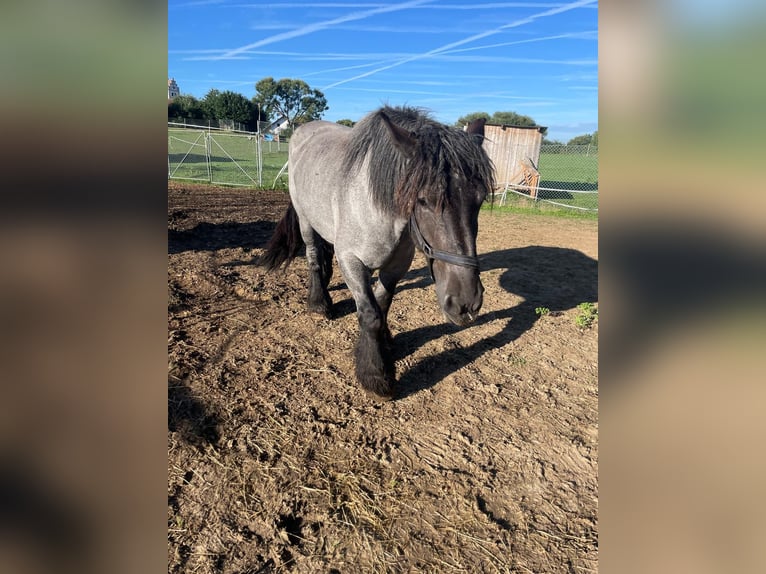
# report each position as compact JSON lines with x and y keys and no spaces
{"x":298,"y":103}
{"x":516,"y":119}
{"x":585,"y":139}
{"x":292,"y":99}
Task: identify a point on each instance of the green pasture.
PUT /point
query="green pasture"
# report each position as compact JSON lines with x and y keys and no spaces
{"x":578,"y":169}
{"x":566,"y":180}
{"x":233,"y":158}
{"x":518,"y":204}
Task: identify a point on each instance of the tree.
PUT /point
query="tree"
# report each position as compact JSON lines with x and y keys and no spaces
{"x":546,"y":141}
{"x":467,"y":119}
{"x":501,"y":118}
{"x":345,"y":122}
{"x":174,"y":110}
{"x":594,"y":139}
{"x":209,"y":104}
{"x":185,"y":106}
{"x":228,"y":105}
{"x":293,"y":99}
{"x":585,"y":139}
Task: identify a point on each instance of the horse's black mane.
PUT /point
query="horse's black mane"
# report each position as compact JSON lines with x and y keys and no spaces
{"x":395,"y":182}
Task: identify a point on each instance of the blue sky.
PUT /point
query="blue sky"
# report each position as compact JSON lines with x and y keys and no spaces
{"x":451,"y":57}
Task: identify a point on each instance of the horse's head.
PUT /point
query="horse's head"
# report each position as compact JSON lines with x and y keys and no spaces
{"x":449,"y":178}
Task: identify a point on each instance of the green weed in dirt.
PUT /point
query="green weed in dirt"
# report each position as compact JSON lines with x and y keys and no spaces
{"x":586,"y":316}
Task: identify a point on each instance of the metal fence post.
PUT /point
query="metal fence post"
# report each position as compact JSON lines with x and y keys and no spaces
{"x":208,"y":160}
{"x":259,"y":159}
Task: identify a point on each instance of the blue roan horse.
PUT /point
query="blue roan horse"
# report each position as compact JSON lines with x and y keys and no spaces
{"x":371,"y":194}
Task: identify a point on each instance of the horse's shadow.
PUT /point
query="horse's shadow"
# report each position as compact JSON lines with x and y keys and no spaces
{"x":551,"y":277}
{"x":214,"y":236}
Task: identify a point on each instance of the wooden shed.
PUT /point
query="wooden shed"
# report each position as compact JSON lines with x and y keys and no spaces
{"x":515,"y":153}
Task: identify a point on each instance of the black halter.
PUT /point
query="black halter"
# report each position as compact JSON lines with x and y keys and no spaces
{"x":431,"y":253}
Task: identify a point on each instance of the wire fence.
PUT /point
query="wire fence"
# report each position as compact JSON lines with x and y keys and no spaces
{"x":225,"y":157}
{"x":229,"y":125}
{"x":566,"y":176}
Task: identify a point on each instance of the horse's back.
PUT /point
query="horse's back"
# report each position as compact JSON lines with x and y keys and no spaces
{"x":317,"y":148}
{"x":315,"y":140}
{"x":315,"y":156}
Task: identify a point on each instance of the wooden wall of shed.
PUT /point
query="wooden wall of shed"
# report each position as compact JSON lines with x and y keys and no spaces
{"x":507,"y":146}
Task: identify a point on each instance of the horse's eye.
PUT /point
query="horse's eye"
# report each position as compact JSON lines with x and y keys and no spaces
{"x":422,"y":202}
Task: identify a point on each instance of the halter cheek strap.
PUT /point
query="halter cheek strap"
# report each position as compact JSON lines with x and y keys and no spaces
{"x":431,"y":253}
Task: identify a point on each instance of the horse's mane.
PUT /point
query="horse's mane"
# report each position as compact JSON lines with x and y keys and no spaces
{"x":395,"y":180}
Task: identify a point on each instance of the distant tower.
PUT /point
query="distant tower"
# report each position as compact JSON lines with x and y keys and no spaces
{"x":173,"y":91}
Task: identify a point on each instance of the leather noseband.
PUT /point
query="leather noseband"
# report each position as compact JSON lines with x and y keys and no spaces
{"x":431,"y":253}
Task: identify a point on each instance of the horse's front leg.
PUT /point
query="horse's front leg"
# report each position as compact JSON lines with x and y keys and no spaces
{"x":375,"y":369}
{"x":388,"y":277}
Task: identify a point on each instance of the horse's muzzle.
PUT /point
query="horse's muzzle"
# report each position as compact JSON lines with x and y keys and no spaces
{"x":463,"y":309}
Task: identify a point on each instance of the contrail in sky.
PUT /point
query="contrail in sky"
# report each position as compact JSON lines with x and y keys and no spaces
{"x":435,"y":51}
{"x":316,"y":26}
{"x":527,"y":41}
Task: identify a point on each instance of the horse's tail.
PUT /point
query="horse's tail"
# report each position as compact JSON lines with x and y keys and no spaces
{"x":284,"y":245}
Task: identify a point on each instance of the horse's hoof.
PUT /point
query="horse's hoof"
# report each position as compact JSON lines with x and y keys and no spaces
{"x":379,"y":388}
{"x":379,"y":398}
{"x":325,"y":312}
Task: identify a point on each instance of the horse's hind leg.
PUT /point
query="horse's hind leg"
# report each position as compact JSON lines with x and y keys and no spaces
{"x":325,"y":265}
{"x":319,"y":257}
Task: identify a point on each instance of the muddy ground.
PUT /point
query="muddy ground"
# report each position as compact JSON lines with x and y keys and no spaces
{"x":279,"y":462}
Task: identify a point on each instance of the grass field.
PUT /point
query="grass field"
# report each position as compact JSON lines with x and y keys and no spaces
{"x":233,"y":159}
{"x":568,"y":168}
{"x":566,"y":181}
{"x":519,"y":204}
{"x":569,"y":180}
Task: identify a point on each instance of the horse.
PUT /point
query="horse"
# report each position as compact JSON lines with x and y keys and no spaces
{"x":370,"y":195}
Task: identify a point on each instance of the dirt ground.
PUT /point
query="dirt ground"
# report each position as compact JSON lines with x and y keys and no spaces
{"x":279,"y":462}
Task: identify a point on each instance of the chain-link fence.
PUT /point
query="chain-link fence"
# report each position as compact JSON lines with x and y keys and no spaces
{"x":566,"y":176}
{"x":225,"y":157}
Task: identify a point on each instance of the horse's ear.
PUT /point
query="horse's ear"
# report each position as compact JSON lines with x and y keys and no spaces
{"x":477,"y":127}
{"x":403,"y":139}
